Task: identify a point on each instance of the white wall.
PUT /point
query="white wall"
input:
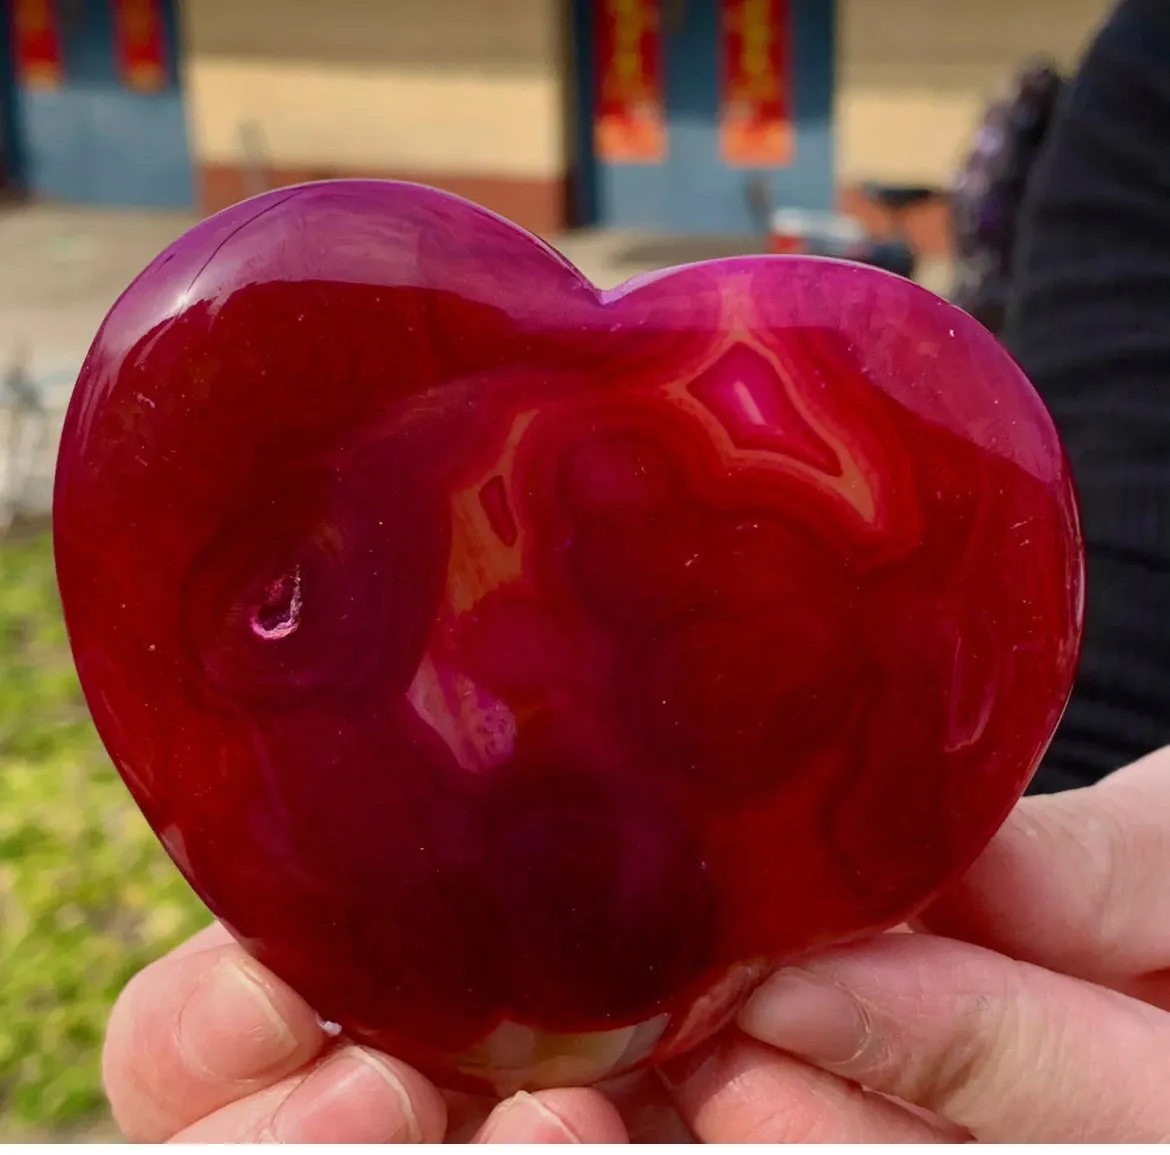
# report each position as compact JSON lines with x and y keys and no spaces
{"x":915,"y":75}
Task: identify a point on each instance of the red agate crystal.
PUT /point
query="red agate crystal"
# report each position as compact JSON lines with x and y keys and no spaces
{"x":519,"y":669}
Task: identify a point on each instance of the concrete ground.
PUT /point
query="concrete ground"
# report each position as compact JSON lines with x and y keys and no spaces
{"x":62,"y":268}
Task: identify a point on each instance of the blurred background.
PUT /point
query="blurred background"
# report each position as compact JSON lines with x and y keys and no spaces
{"x":631,"y":133}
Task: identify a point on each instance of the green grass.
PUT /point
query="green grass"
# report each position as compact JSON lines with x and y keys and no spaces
{"x":87,"y":897}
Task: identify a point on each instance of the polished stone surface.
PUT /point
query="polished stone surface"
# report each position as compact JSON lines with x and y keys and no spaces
{"x":519,"y":668}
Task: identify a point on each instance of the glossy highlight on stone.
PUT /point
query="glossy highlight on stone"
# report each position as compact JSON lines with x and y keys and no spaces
{"x":520,"y":669}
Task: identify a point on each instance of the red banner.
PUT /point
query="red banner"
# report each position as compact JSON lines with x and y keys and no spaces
{"x":141,"y":41}
{"x":37,"y":38}
{"x":755,"y":127}
{"x":630,"y":120}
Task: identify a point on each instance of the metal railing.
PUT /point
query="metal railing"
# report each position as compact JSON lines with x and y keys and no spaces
{"x":32,"y":410}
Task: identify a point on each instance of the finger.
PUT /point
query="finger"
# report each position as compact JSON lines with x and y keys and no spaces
{"x":1076,"y":882}
{"x":352,"y":1096}
{"x":572,"y":1115}
{"x":737,"y":1091}
{"x":201,"y":1027}
{"x":646,"y":1108}
{"x":1008,"y":1051}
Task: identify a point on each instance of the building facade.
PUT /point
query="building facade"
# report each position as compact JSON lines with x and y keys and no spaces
{"x":680,"y":115}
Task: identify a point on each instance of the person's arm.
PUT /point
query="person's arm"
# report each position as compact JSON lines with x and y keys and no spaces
{"x":1089,"y":321}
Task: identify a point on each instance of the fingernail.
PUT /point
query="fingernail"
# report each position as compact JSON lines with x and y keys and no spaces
{"x":230,"y":1029}
{"x":354,"y":1097}
{"x":525,"y":1119}
{"x":807,"y":1016}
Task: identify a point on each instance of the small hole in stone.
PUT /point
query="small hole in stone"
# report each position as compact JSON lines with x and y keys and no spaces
{"x":279,"y":611}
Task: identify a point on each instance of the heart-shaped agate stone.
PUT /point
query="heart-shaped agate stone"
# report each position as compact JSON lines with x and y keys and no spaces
{"x":520,"y":669}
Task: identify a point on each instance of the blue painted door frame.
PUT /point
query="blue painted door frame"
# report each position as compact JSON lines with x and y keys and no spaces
{"x":695,"y":191}
{"x":95,"y":141}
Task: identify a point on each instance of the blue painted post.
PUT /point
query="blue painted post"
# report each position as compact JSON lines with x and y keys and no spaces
{"x":695,"y":191}
{"x":584,"y":200}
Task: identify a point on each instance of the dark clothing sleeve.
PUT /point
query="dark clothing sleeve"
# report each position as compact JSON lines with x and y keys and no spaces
{"x":1089,"y":321}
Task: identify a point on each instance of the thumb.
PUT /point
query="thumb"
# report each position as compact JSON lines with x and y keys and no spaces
{"x":1076,"y":883}
{"x":1008,"y":1051}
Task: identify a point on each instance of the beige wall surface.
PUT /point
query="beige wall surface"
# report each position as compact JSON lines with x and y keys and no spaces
{"x":475,"y":87}
{"x":915,"y":75}
{"x":462,"y":86}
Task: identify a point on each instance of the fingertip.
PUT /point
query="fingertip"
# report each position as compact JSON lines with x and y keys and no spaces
{"x":801,"y":1013}
{"x":241,"y":1022}
{"x":361,"y":1096}
{"x":352,"y":1096}
{"x":198,"y":1029}
{"x":566,"y":1115}
{"x":587,"y":1112}
{"x":425,"y":1102}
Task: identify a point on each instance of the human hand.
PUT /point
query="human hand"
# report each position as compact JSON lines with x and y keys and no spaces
{"x":207,"y":1046}
{"x":1040,"y":1017}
